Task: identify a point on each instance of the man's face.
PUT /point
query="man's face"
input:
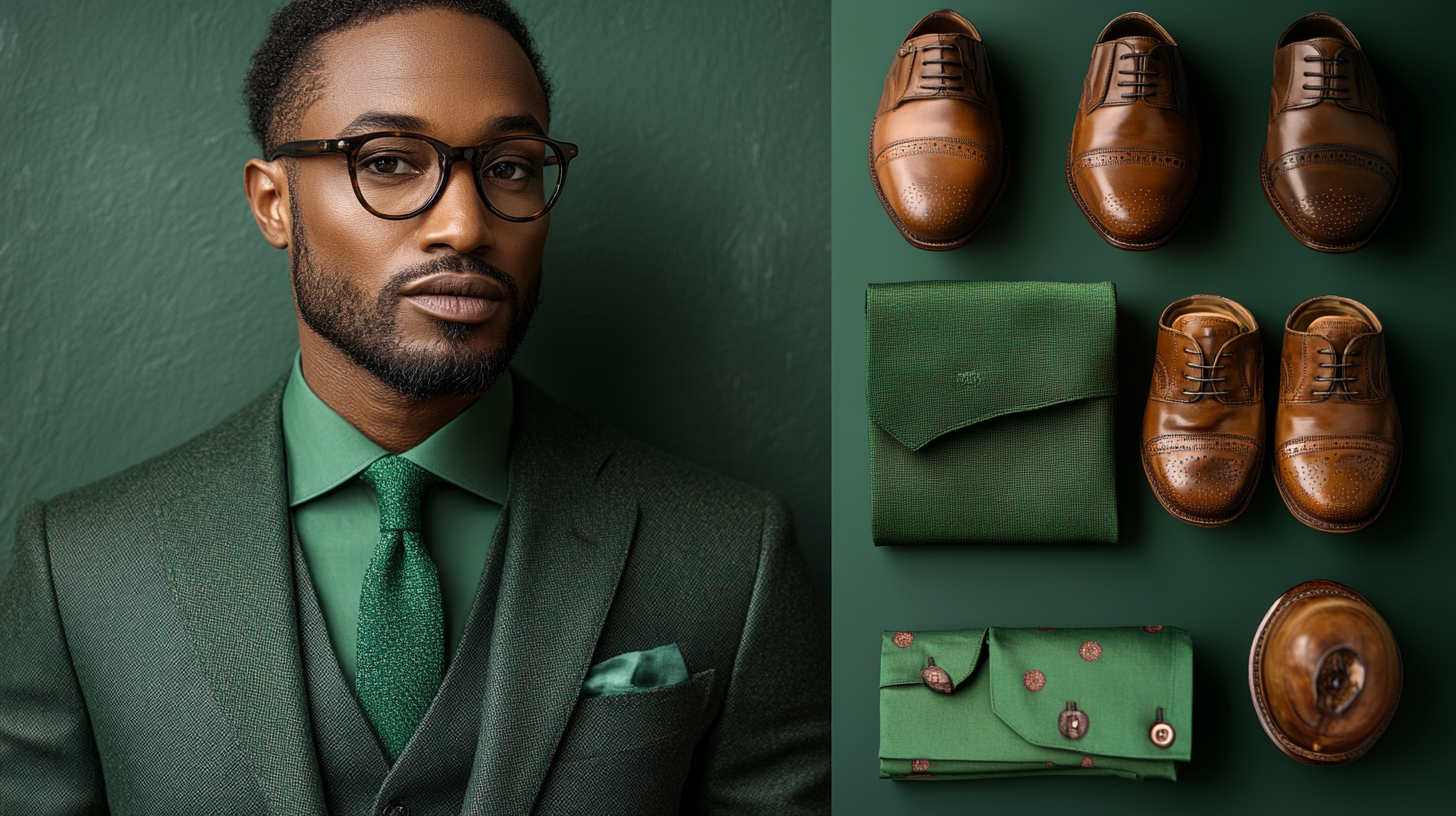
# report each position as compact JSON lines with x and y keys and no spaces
{"x":436,"y":304}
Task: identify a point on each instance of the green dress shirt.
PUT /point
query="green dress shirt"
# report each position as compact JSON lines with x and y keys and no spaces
{"x":337,"y":518}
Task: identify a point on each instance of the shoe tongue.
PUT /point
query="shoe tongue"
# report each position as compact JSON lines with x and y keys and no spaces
{"x":1339,"y":329}
{"x":1209,"y":331}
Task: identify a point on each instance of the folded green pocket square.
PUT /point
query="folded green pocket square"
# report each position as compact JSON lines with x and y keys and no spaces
{"x":1034,"y":702}
{"x":991,"y":411}
{"x":636,"y":671}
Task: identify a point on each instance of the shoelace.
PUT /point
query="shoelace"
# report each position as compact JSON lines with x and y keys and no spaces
{"x":942,"y":76}
{"x":1327,"y":90}
{"x":1139,"y":70}
{"x":1206,"y":369}
{"x":1343,"y":364}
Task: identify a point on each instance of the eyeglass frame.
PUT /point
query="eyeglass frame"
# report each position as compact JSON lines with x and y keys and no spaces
{"x":449,"y":156}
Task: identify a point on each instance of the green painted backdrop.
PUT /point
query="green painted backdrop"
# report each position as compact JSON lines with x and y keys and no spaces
{"x":1216,"y":583}
{"x":687,"y":274}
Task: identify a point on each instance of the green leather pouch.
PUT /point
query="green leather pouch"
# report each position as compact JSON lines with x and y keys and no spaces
{"x":1021,"y":696}
{"x":991,"y":411}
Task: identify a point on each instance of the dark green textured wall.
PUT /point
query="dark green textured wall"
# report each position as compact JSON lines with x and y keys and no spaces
{"x":1214,"y":583}
{"x":687,"y":274}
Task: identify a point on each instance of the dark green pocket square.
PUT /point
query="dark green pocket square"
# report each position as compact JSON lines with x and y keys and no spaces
{"x":636,"y":671}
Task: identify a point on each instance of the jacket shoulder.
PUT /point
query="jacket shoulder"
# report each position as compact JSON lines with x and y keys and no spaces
{"x":256,"y":428}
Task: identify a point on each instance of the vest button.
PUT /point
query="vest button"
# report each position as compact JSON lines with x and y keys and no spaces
{"x":396,"y":808}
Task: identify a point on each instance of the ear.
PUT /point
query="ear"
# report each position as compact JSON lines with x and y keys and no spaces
{"x":266,"y":186}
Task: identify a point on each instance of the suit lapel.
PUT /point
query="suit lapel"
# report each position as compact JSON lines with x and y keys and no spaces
{"x":224,"y":543}
{"x":567,"y":543}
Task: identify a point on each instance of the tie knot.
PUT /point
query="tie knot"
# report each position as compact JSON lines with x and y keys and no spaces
{"x":400,"y":485}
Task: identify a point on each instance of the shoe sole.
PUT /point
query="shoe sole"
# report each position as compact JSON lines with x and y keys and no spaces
{"x":1320,"y":246}
{"x":1183,"y":517}
{"x":1326,"y":527}
{"x":937,"y":246}
{"x":1109,"y":237}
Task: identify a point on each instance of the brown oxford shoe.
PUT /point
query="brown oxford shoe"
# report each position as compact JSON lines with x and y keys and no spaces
{"x":937,"y":157}
{"x":1133,"y":163}
{"x":1203,"y":429}
{"x":1330,"y":167}
{"x":1337,"y":431}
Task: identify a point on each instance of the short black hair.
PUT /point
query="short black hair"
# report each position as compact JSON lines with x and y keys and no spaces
{"x":282,"y":76}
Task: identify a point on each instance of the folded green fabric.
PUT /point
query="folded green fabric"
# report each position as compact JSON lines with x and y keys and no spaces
{"x":1037,"y":702}
{"x":991,"y":411}
{"x":636,"y":671}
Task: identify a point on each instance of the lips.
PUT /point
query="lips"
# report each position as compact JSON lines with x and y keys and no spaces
{"x":458,"y":298}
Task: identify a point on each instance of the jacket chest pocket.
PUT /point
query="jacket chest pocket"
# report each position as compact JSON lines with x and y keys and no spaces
{"x":628,"y":753}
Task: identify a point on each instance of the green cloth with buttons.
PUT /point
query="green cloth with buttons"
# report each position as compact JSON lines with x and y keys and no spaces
{"x":1036,"y":702}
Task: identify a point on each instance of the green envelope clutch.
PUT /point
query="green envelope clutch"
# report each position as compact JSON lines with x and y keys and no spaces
{"x":1034,"y":702}
{"x":991,"y":411}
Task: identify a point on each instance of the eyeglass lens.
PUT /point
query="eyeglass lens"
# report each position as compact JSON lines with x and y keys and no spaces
{"x":397,"y":175}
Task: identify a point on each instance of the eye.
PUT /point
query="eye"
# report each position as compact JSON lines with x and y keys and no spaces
{"x":508,"y":171}
{"x":386,"y":165}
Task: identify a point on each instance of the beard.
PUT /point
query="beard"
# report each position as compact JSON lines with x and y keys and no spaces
{"x":340,"y":312}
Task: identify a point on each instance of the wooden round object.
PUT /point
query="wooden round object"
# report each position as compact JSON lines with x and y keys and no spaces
{"x":1325,"y":673}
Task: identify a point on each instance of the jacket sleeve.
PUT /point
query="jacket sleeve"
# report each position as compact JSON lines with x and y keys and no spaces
{"x":48,"y":758}
{"x":769,"y":750}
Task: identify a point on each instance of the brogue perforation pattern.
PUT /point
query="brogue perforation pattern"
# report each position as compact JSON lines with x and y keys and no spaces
{"x":960,"y":148}
{"x":1329,"y":154}
{"x":1142,"y":158}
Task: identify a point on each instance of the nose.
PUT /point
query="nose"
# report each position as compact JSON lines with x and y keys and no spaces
{"x":459,"y":219}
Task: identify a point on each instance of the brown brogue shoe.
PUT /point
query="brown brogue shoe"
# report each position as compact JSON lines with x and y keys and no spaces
{"x":1330,"y":167}
{"x":937,"y":157}
{"x":1132,"y":165}
{"x":1337,"y":431}
{"x":1203,"y":429}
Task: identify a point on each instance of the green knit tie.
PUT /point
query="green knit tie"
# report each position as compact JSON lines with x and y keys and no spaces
{"x":401,"y":619}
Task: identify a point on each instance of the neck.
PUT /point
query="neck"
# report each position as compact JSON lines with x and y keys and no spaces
{"x":389,"y":419}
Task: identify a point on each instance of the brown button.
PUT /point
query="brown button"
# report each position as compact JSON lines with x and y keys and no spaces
{"x":1087,"y":762}
{"x":396,"y":808}
{"x":1071,"y":722}
{"x":1034,"y":680}
{"x":903,"y":639}
{"x":1091,"y":651}
{"x":936,"y":679}
{"x":1162,"y":734}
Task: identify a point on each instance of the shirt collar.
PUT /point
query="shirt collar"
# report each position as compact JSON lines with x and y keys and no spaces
{"x":472,"y":451}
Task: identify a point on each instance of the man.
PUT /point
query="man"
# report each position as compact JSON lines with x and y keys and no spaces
{"x":403,"y":580}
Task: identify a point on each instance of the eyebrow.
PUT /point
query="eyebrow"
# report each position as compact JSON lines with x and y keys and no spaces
{"x":384,"y":120}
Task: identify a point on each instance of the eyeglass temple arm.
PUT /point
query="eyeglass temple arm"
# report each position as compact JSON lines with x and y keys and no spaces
{"x":314,"y":147}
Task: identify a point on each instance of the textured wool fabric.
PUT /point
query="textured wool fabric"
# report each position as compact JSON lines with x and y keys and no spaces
{"x":1011,"y":689}
{"x":152,"y":649}
{"x":991,"y":412}
{"x":401,"y":618}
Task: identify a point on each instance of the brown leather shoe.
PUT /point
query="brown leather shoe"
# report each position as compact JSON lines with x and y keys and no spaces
{"x":1330,"y":167}
{"x":1203,"y":429}
{"x":937,"y":157}
{"x":1337,"y":433}
{"x":1133,"y":163}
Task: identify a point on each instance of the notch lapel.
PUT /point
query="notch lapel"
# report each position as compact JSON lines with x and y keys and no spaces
{"x":567,"y":544}
{"x":224,"y":543}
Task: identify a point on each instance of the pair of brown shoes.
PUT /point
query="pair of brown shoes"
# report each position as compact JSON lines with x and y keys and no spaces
{"x":937,"y":156}
{"x":1337,"y":433}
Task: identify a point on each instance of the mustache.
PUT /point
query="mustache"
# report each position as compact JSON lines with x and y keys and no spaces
{"x":460,"y":264}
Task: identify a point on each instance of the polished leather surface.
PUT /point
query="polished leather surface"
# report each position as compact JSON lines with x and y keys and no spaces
{"x":1133,"y":162}
{"x":1330,"y":167}
{"x":1337,"y":433}
{"x":937,"y":156}
{"x":1203,"y":428}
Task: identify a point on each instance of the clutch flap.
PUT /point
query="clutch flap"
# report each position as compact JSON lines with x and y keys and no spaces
{"x":944,"y":355}
{"x":1100,"y":691}
{"x":904,"y":654}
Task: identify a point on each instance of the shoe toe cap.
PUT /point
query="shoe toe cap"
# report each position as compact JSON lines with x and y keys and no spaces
{"x":939,"y":196}
{"x":1337,"y":482}
{"x":1203,"y":480}
{"x":1334,"y":203}
{"x":1136,"y":196}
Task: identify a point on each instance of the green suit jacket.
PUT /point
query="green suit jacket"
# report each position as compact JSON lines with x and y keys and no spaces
{"x":150,"y":650}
